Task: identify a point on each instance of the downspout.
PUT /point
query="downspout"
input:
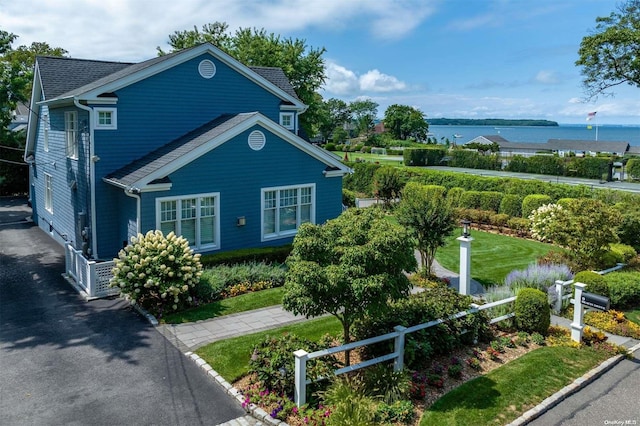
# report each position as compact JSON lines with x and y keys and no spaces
{"x":135,"y":193}
{"x":92,"y":179}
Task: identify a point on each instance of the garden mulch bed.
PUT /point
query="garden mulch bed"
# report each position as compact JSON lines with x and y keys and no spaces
{"x":433,"y":393}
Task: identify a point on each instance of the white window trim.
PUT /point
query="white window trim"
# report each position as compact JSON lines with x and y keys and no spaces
{"x":114,"y":119}
{"x":289,"y":233}
{"x":72,"y":148}
{"x":48,"y":193}
{"x":293,"y":120}
{"x":197,"y":246}
{"x":45,"y":119}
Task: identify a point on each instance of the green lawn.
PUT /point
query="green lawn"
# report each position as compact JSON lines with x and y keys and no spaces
{"x":231,"y":305}
{"x":508,"y":391}
{"x":230,"y":357}
{"x":391,"y":160}
{"x":633,"y":315}
{"x":493,"y":256}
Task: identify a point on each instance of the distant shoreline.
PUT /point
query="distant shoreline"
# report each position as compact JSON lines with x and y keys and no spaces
{"x":490,"y":122}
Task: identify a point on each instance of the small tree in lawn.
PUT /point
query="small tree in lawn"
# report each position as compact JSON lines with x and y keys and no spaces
{"x":386,"y":183}
{"x":427,"y":213}
{"x":348,"y":267}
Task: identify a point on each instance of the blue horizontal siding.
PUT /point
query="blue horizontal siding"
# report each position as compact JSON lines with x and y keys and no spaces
{"x":238,"y":173}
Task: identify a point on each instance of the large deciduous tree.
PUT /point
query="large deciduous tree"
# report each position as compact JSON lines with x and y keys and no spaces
{"x":303,"y":65}
{"x":427,"y":213}
{"x":348,"y":267}
{"x":610,"y":56}
{"x":404,"y":122}
{"x":364,"y":113}
{"x":334,"y":114}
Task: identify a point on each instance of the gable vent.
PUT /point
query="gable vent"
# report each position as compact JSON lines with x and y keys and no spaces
{"x":256,"y":140}
{"x":207,"y":69}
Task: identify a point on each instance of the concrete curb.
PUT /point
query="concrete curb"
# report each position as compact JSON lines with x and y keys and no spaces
{"x":569,"y":390}
{"x":255,"y":411}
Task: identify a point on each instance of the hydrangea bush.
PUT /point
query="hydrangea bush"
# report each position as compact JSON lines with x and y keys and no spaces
{"x":543,"y":220}
{"x":157,"y":272}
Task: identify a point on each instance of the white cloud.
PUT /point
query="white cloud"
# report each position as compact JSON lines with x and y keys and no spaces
{"x":375,"y":81}
{"x":344,"y":82}
{"x":546,"y":77}
{"x":130,"y":30}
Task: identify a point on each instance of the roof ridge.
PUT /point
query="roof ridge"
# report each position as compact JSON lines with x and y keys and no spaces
{"x":84,"y":60}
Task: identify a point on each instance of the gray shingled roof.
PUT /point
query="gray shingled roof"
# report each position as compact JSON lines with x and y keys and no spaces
{"x":62,"y":75}
{"x":634,"y":150}
{"x":141,"y":168}
{"x":583,"y":145}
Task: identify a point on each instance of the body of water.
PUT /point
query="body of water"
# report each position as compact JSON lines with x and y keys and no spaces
{"x":606,"y":133}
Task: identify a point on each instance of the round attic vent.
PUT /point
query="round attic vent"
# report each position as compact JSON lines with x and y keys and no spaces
{"x":207,"y":69}
{"x":256,"y":140}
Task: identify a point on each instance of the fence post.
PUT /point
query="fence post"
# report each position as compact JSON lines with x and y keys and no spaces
{"x":559,"y":295}
{"x":300,"y":394}
{"x":398,"y":362}
{"x":578,"y":313}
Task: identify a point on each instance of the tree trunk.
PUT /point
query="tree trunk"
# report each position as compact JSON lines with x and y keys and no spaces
{"x":347,"y":339}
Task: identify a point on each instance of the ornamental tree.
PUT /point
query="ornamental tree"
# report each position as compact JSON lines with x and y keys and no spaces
{"x":349,"y":267}
{"x":157,"y":272}
{"x":404,"y":122}
{"x":584,"y":226}
{"x":387,"y":184}
{"x":427,"y":213}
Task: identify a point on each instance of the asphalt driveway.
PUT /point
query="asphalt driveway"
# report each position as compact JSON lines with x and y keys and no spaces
{"x":64,"y":361}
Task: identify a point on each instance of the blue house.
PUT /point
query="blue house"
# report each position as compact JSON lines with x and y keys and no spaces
{"x":192,"y":142}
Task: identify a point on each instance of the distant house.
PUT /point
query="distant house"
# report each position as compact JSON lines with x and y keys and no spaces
{"x":192,"y":142}
{"x":562,"y":147}
{"x":19,"y":118}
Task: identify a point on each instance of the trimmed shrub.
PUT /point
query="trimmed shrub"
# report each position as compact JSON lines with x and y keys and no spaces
{"x":361,"y":180}
{"x":624,"y":289}
{"x":259,"y":254}
{"x":588,"y":167}
{"x":532,"y":202}
{"x":386,"y":183}
{"x":424,"y":156}
{"x":500,"y":220}
{"x":473,"y":160}
{"x":453,"y":196}
{"x":471,"y":199}
{"x":519,"y":225}
{"x":159,"y":273}
{"x":565,"y":202}
{"x":490,"y":200}
{"x":511,"y":204}
{"x":330,"y":146}
{"x":595,"y":282}
{"x":624,"y":253}
{"x":532,"y":311}
{"x":633,"y":168}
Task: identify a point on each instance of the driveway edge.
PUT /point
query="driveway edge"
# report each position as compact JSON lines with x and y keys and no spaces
{"x":570,"y":389}
{"x":252,"y":409}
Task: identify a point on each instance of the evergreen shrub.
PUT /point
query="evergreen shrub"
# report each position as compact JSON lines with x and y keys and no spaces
{"x":595,"y":282}
{"x":533,"y":202}
{"x":532,"y":312}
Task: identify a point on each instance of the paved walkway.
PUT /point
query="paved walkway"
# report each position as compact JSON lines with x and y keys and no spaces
{"x":191,"y":336}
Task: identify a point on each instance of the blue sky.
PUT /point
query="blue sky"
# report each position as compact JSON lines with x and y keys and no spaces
{"x":449,"y":58}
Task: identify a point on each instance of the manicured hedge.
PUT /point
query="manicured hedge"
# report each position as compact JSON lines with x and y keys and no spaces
{"x":262,"y":254}
{"x":490,"y":200}
{"x":361,"y":180}
{"x":624,"y":289}
{"x":454,"y":195}
{"x":431,"y":156}
{"x":511,"y":204}
{"x":474,"y":160}
{"x":539,"y":164}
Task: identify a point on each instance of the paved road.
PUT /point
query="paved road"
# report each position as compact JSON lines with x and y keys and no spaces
{"x":612,"y":399}
{"x":594,"y":184}
{"x":64,"y":361}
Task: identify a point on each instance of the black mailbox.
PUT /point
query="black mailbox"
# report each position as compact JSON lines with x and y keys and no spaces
{"x":595,"y":301}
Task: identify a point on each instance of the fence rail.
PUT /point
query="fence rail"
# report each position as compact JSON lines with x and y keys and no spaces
{"x":91,"y":277}
{"x":562,"y":294}
{"x":302,"y":356}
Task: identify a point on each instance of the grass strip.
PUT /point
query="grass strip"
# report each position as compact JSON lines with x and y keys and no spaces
{"x":507,"y":392}
{"x":230,"y":357}
{"x":228,"y":306}
{"x":633,"y":315}
{"x":506,"y":254}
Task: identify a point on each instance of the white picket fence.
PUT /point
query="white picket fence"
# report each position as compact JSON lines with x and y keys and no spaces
{"x":89,"y":276}
{"x":302,"y":356}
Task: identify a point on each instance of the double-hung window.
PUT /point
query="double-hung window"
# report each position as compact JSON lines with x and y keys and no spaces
{"x":287,"y":120}
{"x":285,"y":208}
{"x":195,"y":217}
{"x":71,"y":133}
{"x":48,"y":193}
